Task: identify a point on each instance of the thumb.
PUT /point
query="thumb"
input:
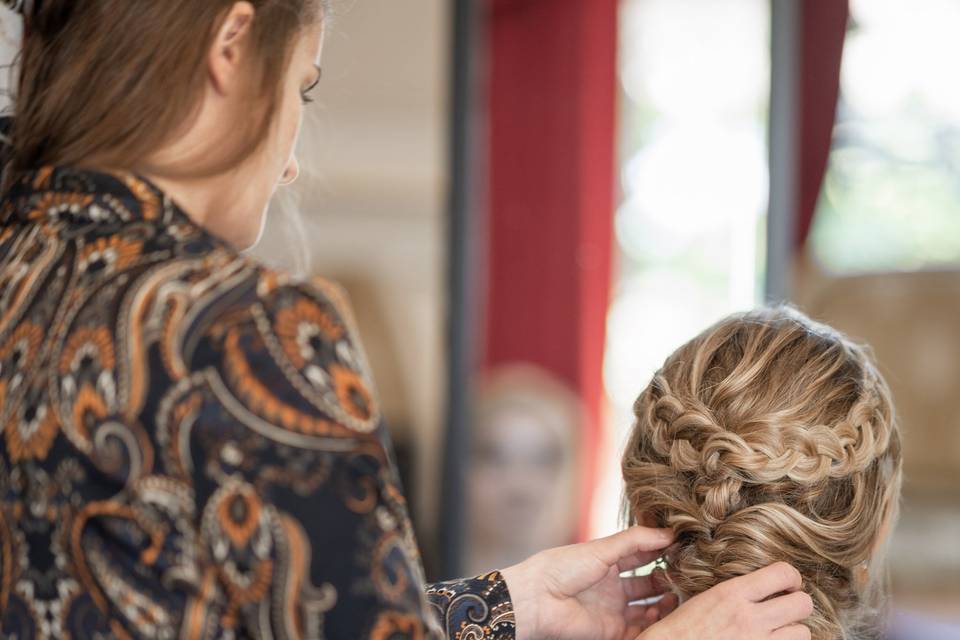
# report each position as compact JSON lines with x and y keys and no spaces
{"x":631,"y":548}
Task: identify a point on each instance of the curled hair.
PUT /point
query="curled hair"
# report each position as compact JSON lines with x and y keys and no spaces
{"x":770,"y":437}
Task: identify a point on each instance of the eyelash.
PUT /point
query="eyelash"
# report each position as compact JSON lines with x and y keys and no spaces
{"x":305,"y":94}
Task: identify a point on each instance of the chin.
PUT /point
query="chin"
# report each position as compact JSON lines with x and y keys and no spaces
{"x":248,"y":237}
{"x":249,"y":242}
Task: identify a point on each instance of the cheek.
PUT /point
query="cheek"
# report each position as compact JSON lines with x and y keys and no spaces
{"x":283,"y":139}
{"x":290,"y":129}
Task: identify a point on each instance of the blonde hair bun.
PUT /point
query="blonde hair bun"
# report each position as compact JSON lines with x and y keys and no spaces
{"x":769,"y":437}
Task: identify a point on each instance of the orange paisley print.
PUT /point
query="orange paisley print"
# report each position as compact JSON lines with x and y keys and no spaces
{"x":192,"y":445}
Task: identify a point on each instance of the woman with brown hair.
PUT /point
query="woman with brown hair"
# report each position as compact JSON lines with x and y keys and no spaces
{"x":770,"y":437}
{"x":191,"y":445}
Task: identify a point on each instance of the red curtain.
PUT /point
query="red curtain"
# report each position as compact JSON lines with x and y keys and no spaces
{"x":552,"y":111}
{"x":552,"y":107}
{"x":823,"y":28}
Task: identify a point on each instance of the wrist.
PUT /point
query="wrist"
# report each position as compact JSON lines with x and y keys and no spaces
{"x":524,"y":607}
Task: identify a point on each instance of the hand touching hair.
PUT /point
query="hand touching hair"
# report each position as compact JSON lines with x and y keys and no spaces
{"x":770,"y":437}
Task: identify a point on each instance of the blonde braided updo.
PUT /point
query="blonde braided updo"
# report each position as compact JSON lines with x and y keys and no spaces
{"x":771,"y":437}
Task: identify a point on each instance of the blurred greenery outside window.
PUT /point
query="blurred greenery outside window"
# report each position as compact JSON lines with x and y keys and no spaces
{"x":690,"y":230}
{"x":891,"y":195}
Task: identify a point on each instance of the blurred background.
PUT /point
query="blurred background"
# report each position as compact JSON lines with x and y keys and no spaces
{"x":533,"y":202}
{"x":543,"y":198}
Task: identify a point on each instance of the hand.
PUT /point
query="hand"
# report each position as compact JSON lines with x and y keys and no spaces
{"x":738,"y":609}
{"x":576,"y":592}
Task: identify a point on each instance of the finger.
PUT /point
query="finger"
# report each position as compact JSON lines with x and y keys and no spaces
{"x":666,"y":606}
{"x":640,"y":587}
{"x":637,"y":587}
{"x":793,"y":632}
{"x":659,"y":580}
{"x":786,"y":610}
{"x":640,"y":618}
{"x":651,"y":616}
{"x":638,"y":560}
{"x":763,"y":583}
{"x":632,"y":542}
{"x":637,"y":616}
{"x":644,"y":616}
{"x":633,"y":632}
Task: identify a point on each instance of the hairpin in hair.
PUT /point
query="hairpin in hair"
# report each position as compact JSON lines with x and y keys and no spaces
{"x":23,"y":7}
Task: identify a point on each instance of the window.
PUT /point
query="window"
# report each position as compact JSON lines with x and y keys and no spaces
{"x":891,"y":196}
{"x":695,"y":79}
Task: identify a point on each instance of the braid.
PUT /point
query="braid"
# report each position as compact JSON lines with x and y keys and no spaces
{"x":769,"y":437}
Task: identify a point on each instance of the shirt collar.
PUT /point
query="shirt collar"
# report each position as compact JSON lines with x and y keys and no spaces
{"x":85,"y":196}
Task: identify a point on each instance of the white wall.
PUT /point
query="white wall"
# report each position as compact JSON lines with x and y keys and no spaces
{"x":10,"y":31}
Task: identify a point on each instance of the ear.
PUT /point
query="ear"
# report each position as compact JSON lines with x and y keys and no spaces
{"x":226,"y":57}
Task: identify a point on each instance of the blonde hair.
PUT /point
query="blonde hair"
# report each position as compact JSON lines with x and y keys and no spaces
{"x":771,"y":437}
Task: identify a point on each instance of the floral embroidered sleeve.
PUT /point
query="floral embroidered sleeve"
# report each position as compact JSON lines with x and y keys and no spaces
{"x":300,"y":503}
{"x":474,"y":609}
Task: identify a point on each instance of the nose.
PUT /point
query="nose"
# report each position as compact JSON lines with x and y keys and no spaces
{"x":291,"y":172}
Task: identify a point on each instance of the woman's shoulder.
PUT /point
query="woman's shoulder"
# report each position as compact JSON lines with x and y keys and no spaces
{"x":300,"y":333}
{"x":283,"y":347}
{"x":178,"y":304}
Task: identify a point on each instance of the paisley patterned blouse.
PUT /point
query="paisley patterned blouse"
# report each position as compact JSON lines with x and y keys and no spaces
{"x":191,"y":446}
